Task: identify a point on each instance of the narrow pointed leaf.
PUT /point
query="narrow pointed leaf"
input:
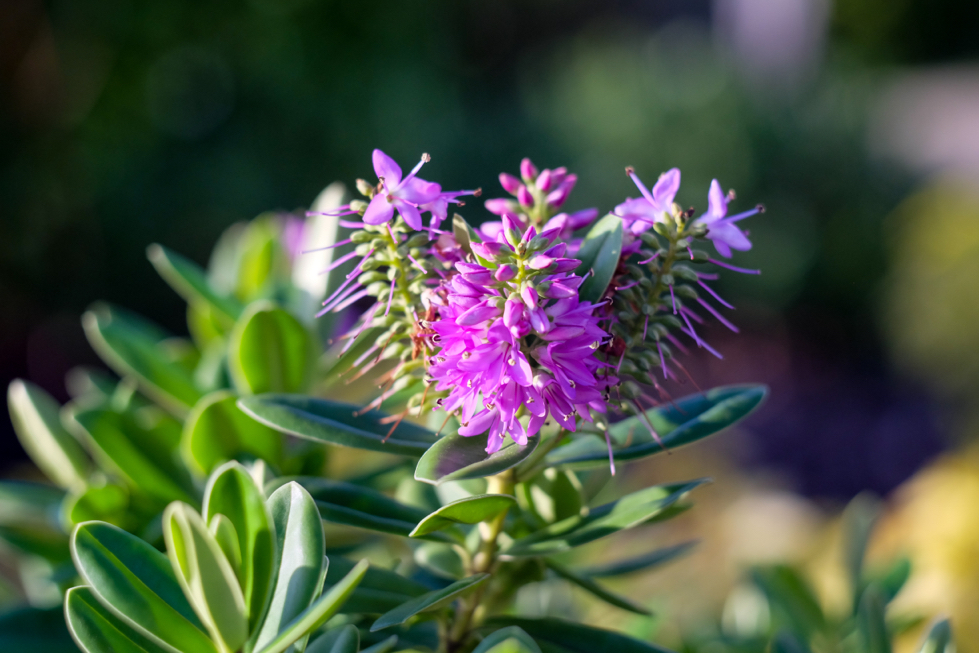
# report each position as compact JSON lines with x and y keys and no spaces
{"x":858,"y":523}
{"x":786,"y":588}
{"x":300,"y":562}
{"x":939,"y":639}
{"x":233,"y":493}
{"x":457,"y":458}
{"x":217,"y":431}
{"x":383,"y":646}
{"x":339,"y":640}
{"x":332,"y":422}
{"x":871,"y":623}
{"x":131,"y":347}
{"x":190,"y":282}
{"x":97,"y":630}
{"x":428,"y":602}
{"x":205,"y":575}
{"x":354,"y":505}
{"x":596,"y":589}
{"x":599,"y":254}
{"x":682,"y":422}
{"x":317,"y":614}
{"x":470,"y":510}
{"x":36,"y":420}
{"x":652,"y":504}
{"x":511,"y":639}
{"x":640,"y":563}
{"x":270,"y":351}
{"x":560,"y":636}
{"x":139,"y":584}
{"x":380,"y":590}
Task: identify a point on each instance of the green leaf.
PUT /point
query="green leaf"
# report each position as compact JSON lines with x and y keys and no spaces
{"x":595,"y":589}
{"x":428,"y":602}
{"x":788,"y":592}
{"x":786,"y":642}
{"x":107,"y":502}
{"x":560,"y":636}
{"x":32,"y":505}
{"x":858,"y":523}
{"x":599,"y":254}
{"x":206,"y":576}
{"x":471,"y":510}
{"x":456,"y":458}
{"x":232,"y":492}
{"x":647,"y":561}
{"x":440,"y":559}
{"x":682,"y":422}
{"x":35,"y":415}
{"x":227,"y":538}
{"x":381,"y":590}
{"x":97,"y":630}
{"x":939,"y":639}
{"x":317,"y":614}
{"x":463,"y":233}
{"x":139,"y":456}
{"x":871,"y":623}
{"x":36,"y":631}
{"x":511,"y":639}
{"x":339,"y":640}
{"x":270,"y":351}
{"x":217,"y":431}
{"x":353,"y":505}
{"x":190,"y":282}
{"x":131,"y":347}
{"x":300,"y":561}
{"x":138,"y":583}
{"x":383,"y":646}
{"x":893,"y":580}
{"x":652,"y":504}
{"x":332,"y":422}
{"x":90,"y":383}
{"x":551,"y":496}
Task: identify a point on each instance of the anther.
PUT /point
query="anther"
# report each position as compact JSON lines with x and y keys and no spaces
{"x":426,"y":157}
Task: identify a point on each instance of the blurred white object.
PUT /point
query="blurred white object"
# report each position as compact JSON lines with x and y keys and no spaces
{"x":320,"y":232}
{"x":929,"y":121}
{"x":776,"y":43}
{"x":770,"y":527}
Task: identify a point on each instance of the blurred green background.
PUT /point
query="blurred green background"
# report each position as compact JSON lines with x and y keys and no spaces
{"x":126,"y":122}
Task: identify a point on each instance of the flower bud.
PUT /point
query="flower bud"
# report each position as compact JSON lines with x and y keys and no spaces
{"x":510,"y":183}
{"x":511,"y":230}
{"x":559,"y":196}
{"x":505,"y":273}
{"x":358,"y":206}
{"x":365,"y":188}
{"x":524,"y":196}
{"x":528,"y":170}
{"x":545,"y":181}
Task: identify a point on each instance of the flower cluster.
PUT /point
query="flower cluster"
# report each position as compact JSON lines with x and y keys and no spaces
{"x":515,"y":340}
{"x":490,"y":322}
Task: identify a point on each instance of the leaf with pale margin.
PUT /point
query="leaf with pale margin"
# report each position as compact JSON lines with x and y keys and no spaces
{"x":651,"y":504}
{"x":270,"y":351}
{"x":97,"y":630}
{"x":511,"y":639}
{"x":139,"y":583}
{"x":216,"y":431}
{"x":190,"y":282}
{"x":37,"y":423}
{"x":599,"y":254}
{"x":457,"y":458}
{"x":939,"y":639}
{"x":560,"y":636}
{"x":470,"y":510}
{"x":300,"y":561}
{"x":332,"y":422}
{"x":681,"y":422}
{"x":428,"y":602}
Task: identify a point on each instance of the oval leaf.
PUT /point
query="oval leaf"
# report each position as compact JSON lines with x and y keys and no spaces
{"x":270,"y":351}
{"x":97,"y":630}
{"x":205,"y":575}
{"x":335,"y":423}
{"x":599,"y":254}
{"x":36,"y":419}
{"x":131,"y":347}
{"x":511,"y":639}
{"x":353,"y":505}
{"x":653,"y":503}
{"x":190,"y":282}
{"x":457,"y":458}
{"x":300,"y":562}
{"x":217,"y":431}
{"x":562,"y":636}
{"x":232,"y":492}
{"x":684,"y":421}
{"x":428,"y":602}
{"x":471,"y":510}
{"x":139,"y":584}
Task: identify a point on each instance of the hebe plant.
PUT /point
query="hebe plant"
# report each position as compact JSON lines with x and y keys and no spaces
{"x":515,"y":365}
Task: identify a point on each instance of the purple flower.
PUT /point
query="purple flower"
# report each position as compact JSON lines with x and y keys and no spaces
{"x":439,"y":207}
{"x":720,"y":229}
{"x":641,"y":213}
{"x":405,"y":195}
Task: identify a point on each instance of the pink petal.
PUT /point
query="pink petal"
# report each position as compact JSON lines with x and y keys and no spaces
{"x":386,"y":168}
{"x":379,"y":210}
